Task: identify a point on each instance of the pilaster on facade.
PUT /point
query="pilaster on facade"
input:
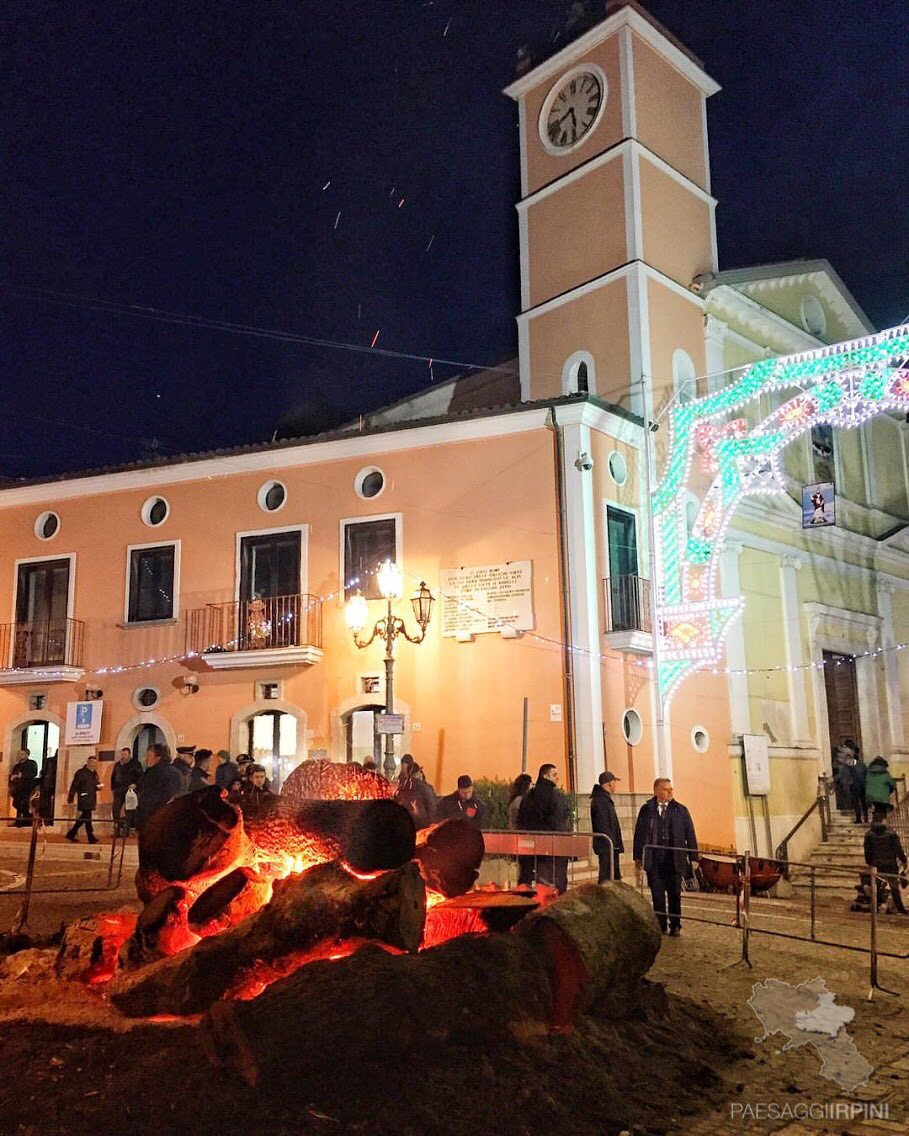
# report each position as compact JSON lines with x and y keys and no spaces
{"x":585,"y":614}
{"x":890,"y":657}
{"x":715,"y":333}
{"x":739,"y":709}
{"x":790,"y":566}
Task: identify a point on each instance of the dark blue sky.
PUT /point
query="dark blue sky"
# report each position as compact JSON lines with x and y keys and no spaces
{"x":173,"y":155}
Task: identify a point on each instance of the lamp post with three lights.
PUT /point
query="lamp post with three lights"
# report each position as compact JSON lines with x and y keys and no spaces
{"x":388,"y":628}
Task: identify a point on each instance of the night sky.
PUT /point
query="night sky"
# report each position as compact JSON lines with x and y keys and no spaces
{"x":334,"y":169}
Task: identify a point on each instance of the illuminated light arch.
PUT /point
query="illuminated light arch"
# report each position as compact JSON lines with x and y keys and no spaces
{"x":842,"y":385}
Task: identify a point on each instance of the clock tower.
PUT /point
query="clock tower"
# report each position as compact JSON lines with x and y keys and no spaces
{"x":616,"y":217}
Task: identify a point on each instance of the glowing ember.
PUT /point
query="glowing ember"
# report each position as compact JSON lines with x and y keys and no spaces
{"x":332,"y":781}
{"x":349,"y":868}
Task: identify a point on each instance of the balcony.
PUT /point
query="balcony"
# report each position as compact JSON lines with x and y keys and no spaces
{"x":42,"y":652}
{"x":627,"y":604}
{"x":279,"y":631}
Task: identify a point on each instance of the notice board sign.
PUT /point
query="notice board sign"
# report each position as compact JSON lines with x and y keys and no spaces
{"x":83,"y":723}
{"x":389,"y":723}
{"x":489,"y":597}
{"x":757,"y":764}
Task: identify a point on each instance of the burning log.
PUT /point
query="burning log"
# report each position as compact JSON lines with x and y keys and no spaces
{"x":326,"y":904}
{"x":371,"y":836}
{"x":331,"y":781}
{"x":449,"y":855}
{"x":184,"y":838}
{"x":535,"y":978}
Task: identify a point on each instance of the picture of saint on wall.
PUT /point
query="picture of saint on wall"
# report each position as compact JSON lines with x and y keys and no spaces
{"x":818,"y":506}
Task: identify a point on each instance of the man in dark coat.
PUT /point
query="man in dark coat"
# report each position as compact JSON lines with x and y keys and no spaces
{"x":544,"y":809}
{"x":84,"y":792}
{"x":227,"y":772}
{"x":127,"y":771}
{"x":857,"y":789}
{"x":462,"y":804}
{"x":416,"y":795}
{"x":884,"y":851}
{"x":183,"y":765}
{"x":665,"y":846}
{"x":22,"y":779}
{"x":199,"y":778}
{"x":160,"y":783}
{"x":604,"y":820}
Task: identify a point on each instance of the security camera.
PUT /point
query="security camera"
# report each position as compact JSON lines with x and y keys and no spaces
{"x":583,"y":462}
{"x":189,"y":684}
{"x":93,"y":693}
{"x":653,"y":427}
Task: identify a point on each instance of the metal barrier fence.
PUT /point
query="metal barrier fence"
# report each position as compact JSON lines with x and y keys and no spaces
{"x":744,"y":922}
{"x":27,"y":890}
{"x":557,"y":859}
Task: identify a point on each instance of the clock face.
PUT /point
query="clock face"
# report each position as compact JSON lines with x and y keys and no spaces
{"x":572,"y":109}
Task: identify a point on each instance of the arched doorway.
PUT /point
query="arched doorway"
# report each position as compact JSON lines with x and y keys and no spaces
{"x":41,"y":738}
{"x":272,"y":742}
{"x":148,"y":734}
{"x":362,"y":741}
{"x":144,"y":730}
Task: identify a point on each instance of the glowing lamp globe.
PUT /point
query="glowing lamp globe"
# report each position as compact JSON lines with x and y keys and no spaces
{"x":356,"y":612}
{"x":389,"y":577}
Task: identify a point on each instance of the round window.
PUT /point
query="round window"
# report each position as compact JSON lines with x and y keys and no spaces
{"x":632,"y":727}
{"x":369,"y":482}
{"x":618,"y":468}
{"x":47,"y":525}
{"x":814,"y":318}
{"x":146,"y":697}
{"x":272,"y":496}
{"x":700,"y":739}
{"x":155,"y":511}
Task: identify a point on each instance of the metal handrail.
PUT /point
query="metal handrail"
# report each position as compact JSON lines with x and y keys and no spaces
{"x":821,"y":804}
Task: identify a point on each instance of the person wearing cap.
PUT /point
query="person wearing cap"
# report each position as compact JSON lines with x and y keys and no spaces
{"x":604,"y":821}
{"x":227,"y":771}
{"x":183,"y":765}
{"x":462,"y":804}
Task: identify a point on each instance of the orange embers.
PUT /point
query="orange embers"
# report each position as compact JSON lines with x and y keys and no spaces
{"x":332,"y":781}
{"x":115,"y":928}
{"x":358,"y":875}
{"x":252,"y":981}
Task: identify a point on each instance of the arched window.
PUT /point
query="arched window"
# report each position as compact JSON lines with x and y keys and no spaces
{"x":683,"y":376}
{"x":579,"y":374}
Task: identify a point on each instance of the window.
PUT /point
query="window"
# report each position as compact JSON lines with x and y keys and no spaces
{"x":822,"y":456}
{"x":152,"y":572}
{"x":700,"y":739}
{"x":367,"y":544}
{"x":578,"y":374}
{"x":814,"y":318}
{"x":632,"y":727}
{"x":369,"y":482}
{"x":154,"y":512}
{"x":47,"y":525}
{"x":146,"y":697}
{"x":272,"y":496}
{"x":618,"y":468}
{"x":683,"y":376}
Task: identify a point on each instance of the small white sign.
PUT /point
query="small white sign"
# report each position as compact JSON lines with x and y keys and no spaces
{"x":83,"y":723}
{"x":389,"y":723}
{"x":757,"y":764}
{"x":489,"y":597}
{"x":555,"y":712}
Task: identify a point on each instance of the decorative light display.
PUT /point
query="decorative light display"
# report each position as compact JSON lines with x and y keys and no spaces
{"x":842,"y":386}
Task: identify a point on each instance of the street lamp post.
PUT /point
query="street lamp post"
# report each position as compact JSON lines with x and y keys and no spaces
{"x":388,"y":629}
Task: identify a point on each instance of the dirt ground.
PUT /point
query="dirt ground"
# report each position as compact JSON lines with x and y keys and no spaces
{"x":671,"y":1064}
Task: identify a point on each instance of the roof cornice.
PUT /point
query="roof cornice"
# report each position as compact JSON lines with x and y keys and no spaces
{"x":626,"y":17}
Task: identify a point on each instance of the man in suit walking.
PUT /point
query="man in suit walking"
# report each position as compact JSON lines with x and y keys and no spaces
{"x":665,"y":846}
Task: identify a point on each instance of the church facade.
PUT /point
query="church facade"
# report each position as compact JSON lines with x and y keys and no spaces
{"x":203,"y":600}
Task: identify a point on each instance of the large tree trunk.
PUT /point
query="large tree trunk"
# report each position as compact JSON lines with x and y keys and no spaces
{"x":325,"y":904}
{"x":593,"y":939}
{"x":491,"y":987}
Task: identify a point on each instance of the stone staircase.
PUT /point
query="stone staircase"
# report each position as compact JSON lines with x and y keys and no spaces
{"x":843,"y":847}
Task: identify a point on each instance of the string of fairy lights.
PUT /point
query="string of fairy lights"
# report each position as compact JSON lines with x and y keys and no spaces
{"x":495,"y":622}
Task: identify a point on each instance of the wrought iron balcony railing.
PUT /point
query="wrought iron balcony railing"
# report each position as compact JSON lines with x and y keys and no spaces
{"x":255,"y":625}
{"x":57,"y":644}
{"x":627,"y":604}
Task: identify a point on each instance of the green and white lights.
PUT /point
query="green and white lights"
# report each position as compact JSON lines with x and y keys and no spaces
{"x":841,"y":386}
